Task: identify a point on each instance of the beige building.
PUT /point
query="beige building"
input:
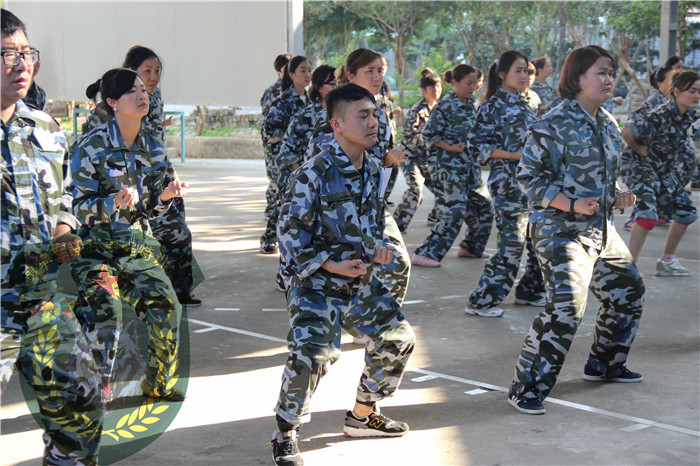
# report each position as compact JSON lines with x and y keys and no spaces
{"x":214,"y":53}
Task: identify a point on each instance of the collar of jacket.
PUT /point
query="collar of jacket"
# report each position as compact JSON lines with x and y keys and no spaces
{"x":23,"y":115}
{"x":509,"y":97}
{"x":690,"y":114}
{"x":342,"y":161}
{"x":577,"y":112}
{"x":115,"y":138}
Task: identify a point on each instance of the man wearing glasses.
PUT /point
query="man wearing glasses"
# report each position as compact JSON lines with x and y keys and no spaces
{"x":38,"y":333}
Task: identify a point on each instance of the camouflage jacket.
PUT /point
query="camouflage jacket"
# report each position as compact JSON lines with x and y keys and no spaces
{"x":321,"y":136}
{"x":270,"y":94}
{"x":35,"y":173}
{"x":299,"y":131}
{"x":387,"y":107}
{"x":412,"y":137}
{"x":568,"y":151}
{"x":330,"y":211}
{"x":547,"y":94}
{"x":502,"y":123}
{"x":282,"y":109}
{"x":101,"y":166}
{"x":450,"y":121}
{"x":655,"y":99}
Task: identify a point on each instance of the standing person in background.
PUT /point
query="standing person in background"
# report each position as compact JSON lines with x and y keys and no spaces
{"x":571,"y":186}
{"x":661,"y":138}
{"x":463,"y":191}
{"x":415,"y":164}
{"x":548,"y":95}
{"x":385,"y":100}
{"x":39,"y":334}
{"x":498,"y":138}
{"x":297,"y":75}
{"x":272,"y":92}
{"x":675,"y":62}
{"x":533,"y":100}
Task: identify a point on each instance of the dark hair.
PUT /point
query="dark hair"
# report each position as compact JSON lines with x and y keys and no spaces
{"x":460,"y":71}
{"x":281,"y":61}
{"x":428,"y":77}
{"x":682,"y":80}
{"x":673,"y":60}
{"x":112,"y":85}
{"x":324,"y":74}
{"x":386,"y":90}
{"x":338,"y":98}
{"x":540,"y":63}
{"x":531,"y":69}
{"x":658,"y":75}
{"x":11,"y":24}
{"x":502,"y":65}
{"x":139,"y":54}
{"x":576,"y":64}
{"x":356,"y":60}
{"x":291,"y":68}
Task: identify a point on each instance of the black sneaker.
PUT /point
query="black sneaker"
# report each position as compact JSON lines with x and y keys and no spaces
{"x":374,"y":425}
{"x":269,"y":248}
{"x":280,"y":284}
{"x":189,"y":301}
{"x":627,"y":376}
{"x":285,"y":451}
{"x":527,"y":405}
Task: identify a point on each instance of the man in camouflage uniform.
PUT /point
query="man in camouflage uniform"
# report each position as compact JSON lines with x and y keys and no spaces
{"x":331,"y":234}
{"x":39,"y":333}
{"x":578,"y":249}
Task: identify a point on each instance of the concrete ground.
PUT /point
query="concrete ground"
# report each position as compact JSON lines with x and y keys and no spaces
{"x":453,"y":394}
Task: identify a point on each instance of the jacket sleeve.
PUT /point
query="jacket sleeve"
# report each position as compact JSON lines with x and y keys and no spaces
{"x":482,"y":139}
{"x":296,"y":140}
{"x":89,"y":206}
{"x":433,"y":130}
{"x":538,"y":171}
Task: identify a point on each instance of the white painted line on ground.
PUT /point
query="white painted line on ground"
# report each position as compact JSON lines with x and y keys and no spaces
{"x":423,"y":379}
{"x":415,"y":301}
{"x":487,"y":386}
{"x":205,"y":330}
{"x":265,"y":309}
{"x":635,"y":427}
{"x":476,"y":391}
{"x":451,"y":296}
{"x":227,"y":309}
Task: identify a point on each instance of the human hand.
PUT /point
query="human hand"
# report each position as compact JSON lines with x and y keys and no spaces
{"x":127,"y":197}
{"x":168,"y":122}
{"x":587,"y":206}
{"x":383,"y":255}
{"x":642,"y":150}
{"x":624,"y":199}
{"x":175,"y":188}
{"x":348,"y":267}
{"x":394,"y":156}
{"x":458,"y":147}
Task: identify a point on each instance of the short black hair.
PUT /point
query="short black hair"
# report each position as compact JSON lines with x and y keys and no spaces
{"x":139,"y":54}
{"x":113,"y":84}
{"x":576,"y":64}
{"x":11,"y":24}
{"x":338,"y":98}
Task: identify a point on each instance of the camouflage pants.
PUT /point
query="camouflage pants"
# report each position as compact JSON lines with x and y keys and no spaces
{"x":392,"y":180}
{"x":415,"y":170}
{"x":655,"y":199}
{"x":569,"y":269}
{"x":500,"y":270}
{"x":43,"y":341}
{"x":465,"y":201}
{"x":108,"y":279}
{"x":438,"y":189}
{"x":687,"y":166}
{"x":175,"y":239}
{"x":316,"y":319}
{"x":394,"y":275}
{"x":272,"y":193}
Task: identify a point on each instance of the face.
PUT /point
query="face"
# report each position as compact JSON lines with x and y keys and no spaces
{"x":516,"y":78}
{"x":679,"y":66}
{"x":530,"y":80}
{"x":358,"y":124}
{"x":546,"y":72}
{"x":596,"y":83}
{"x":432,"y":93}
{"x":301,"y":76}
{"x":17,"y":79}
{"x":133,"y":104}
{"x":326,"y":88}
{"x":688,"y":98}
{"x":149,"y":72}
{"x":369,"y":76}
{"x":467,"y":86}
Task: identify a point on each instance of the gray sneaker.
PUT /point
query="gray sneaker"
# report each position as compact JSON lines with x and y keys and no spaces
{"x":285,"y":451}
{"x":374,"y":425}
{"x":671,"y":269}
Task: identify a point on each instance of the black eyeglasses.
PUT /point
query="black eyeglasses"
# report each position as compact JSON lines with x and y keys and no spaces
{"x":11,"y":57}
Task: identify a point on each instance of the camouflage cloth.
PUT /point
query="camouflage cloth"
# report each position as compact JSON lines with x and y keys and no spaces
{"x":120,"y":258}
{"x":502,"y":123}
{"x":275,"y":124}
{"x":296,"y":142}
{"x":332,"y":211}
{"x":464,"y":198}
{"x":547,"y":94}
{"x":414,"y":165}
{"x":387,"y":108}
{"x":656,"y":180}
{"x":36,"y":97}
{"x":39,"y":334}
{"x":270,"y":94}
{"x":694,"y":134}
{"x":570,"y":152}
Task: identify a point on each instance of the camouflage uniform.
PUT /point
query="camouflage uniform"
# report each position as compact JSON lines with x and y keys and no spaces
{"x":414,"y":165}
{"x":464,"y":195}
{"x":296,"y":142}
{"x":502,"y":123}
{"x":656,"y":180}
{"x":282,"y":109}
{"x":386,"y":106}
{"x":694,"y":134}
{"x":121,"y":261}
{"x":332,"y":211}
{"x":36,"y":97}
{"x":39,"y":333}
{"x":270,"y":94}
{"x":570,"y":152}
{"x":271,"y":194}
{"x":547,"y":94}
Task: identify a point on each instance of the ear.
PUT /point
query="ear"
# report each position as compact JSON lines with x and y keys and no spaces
{"x":111,"y":102}
{"x":335,"y":124}
{"x":502,"y":75}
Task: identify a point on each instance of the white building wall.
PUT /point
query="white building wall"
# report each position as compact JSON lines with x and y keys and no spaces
{"x":214,"y":53}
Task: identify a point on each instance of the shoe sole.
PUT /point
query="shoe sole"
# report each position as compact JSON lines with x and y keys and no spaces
{"x":354,"y":432}
{"x":484,"y":313}
{"x":598,"y":378}
{"x":672,"y":274}
{"x":526,"y":411}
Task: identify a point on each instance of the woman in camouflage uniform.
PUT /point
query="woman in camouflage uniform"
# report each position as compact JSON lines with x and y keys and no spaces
{"x":661,"y":139}
{"x":297,"y":75}
{"x":568,"y":169}
{"x":464,"y":196}
{"x":415,"y":165}
{"x":497,"y":139}
{"x":547,"y":94}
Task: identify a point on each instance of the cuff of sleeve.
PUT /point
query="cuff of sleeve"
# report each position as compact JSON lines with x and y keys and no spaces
{"x":69,"y":219}
{"x":314,"y":264}
{"x":109,"y":206}
{"x":550,"y":194}
{"x":431,"y":142}
{"x":485,"y":154}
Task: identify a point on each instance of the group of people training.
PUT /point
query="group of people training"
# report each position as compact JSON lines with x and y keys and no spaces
{"x":110,"y":206}
{"x":554,"y":159}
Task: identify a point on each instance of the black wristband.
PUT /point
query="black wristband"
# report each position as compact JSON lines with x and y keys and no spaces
{"x":571,"y":207}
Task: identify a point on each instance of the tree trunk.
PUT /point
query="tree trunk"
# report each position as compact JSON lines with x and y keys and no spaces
{"x":202,"y":109}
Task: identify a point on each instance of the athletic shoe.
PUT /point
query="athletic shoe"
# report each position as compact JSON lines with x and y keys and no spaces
{"x":189,"y":301}
{"x":489,"y":312}
{"x":536,"y":301}
{"x":464,"y":253}
{"x":527,"y":405}
{"x":629,"y":223}
{"x":424,"y":261}
{"x":671,"y":268}
{"x":374,"y":425}
{"x":663,"y":222}
{"x":432,"y":220}
{"x":627,"y":376}
{"x":285,"y":451}
{"x":269,"y":248}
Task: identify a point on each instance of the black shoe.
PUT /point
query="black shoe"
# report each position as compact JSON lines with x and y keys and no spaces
{"x":627,"y":376}
{"x":269,"y":248}
{"x":189,"y":301}
{"x":527,"y":405}
{"x":285,"y":451}
{"x":374,"y":425}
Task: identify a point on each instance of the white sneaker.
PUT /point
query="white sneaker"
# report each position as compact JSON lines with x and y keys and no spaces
{"x":489,"y":312}
{"x":671,"y":268}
